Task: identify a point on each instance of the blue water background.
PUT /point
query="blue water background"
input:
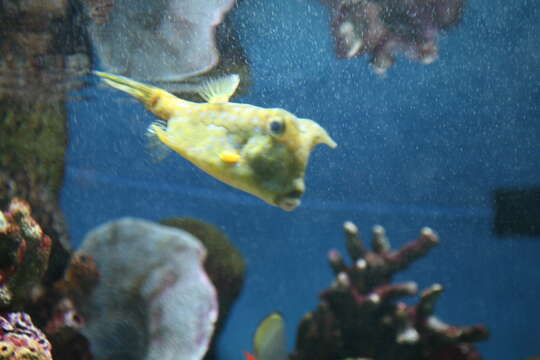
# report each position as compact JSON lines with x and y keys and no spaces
{"x":425,"y":146}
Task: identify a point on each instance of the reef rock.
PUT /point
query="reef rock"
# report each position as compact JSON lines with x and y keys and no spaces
{"x":165,"y":40}
{"x":153,"y":300}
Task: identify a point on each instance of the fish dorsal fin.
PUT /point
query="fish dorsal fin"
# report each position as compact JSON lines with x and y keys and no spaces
{"x":269,"y":341}
{"x":219,"y":90}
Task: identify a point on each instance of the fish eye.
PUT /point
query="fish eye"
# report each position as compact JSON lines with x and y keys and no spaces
{"x":277,"y":126}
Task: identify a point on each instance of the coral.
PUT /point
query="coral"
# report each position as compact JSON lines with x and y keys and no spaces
{"x":55,"y":308}
{"x":21,"y":340}
{"x":359,"y":315}
{"x":80,"y":278}
{"x":153,"y":299}
{"x":166,"y":40}
{"x":382,"y":27}
{"x":24,"y":250}
{"x":224,"y":265}
{"x":63,"y":328}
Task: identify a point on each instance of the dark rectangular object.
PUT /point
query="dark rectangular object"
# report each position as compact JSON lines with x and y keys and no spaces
{"x":517,"y":211}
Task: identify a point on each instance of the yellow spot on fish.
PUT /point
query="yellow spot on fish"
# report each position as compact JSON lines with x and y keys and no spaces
{"x":229,"y":157}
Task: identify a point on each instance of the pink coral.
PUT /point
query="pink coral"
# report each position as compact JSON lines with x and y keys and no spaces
{"x":382,"y":28}
{"x":20,"y":339}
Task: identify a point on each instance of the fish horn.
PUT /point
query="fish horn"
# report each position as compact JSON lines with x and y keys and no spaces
{"x":157,"y":100}
{"x":315,"y":134}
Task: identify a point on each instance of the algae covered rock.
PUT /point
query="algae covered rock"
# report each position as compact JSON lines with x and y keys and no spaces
{"x":153,"y":300}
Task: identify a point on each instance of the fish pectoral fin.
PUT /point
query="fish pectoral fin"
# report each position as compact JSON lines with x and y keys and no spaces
{"x":158,"y":149}
{"x":157,"y":130}
{"x":219,"y":90}
{"x":229,"y":157}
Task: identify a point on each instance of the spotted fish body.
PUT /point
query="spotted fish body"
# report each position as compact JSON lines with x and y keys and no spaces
{"x":261,"y":151}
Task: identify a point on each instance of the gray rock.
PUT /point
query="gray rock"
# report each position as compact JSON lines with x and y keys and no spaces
{"x":154,"y":301}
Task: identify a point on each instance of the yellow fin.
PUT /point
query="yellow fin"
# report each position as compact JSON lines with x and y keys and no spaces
{"x":219,"y":90}
{"x":269,"y":342}
{"x":160,"y":132}
{"x":229,"y":157}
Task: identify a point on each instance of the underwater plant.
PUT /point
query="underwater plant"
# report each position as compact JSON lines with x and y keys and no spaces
{"x":360,"y":316}
{"x":381,"y":28}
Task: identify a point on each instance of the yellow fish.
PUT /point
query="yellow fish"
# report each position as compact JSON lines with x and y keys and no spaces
{"x":263,"y":152}
{"x":269,"y":342}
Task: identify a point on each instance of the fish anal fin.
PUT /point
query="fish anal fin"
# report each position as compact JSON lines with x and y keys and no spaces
{"x":219,"y":90}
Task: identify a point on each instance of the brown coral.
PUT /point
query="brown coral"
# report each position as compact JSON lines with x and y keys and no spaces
{"x":359,"y":315}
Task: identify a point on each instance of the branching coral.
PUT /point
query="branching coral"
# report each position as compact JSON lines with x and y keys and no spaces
{"x":359,"y":317}
{"x":21,"y":340}
{"x":24,"y":250}
{"x":383,"y":27}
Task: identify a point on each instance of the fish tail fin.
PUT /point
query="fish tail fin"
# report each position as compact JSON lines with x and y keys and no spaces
{"x":157,"y":148}
{"x":158,"y":101}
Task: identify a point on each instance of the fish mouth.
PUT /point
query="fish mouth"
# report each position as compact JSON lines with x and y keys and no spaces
{"x":289,"y":204}
{"x":290,"y":201}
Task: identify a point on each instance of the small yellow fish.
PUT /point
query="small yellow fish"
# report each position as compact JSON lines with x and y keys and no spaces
{"x":261,"y":151}
{"x":269,"y":341}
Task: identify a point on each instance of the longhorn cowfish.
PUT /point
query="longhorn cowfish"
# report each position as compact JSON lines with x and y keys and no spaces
{"x":261,"y":151}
